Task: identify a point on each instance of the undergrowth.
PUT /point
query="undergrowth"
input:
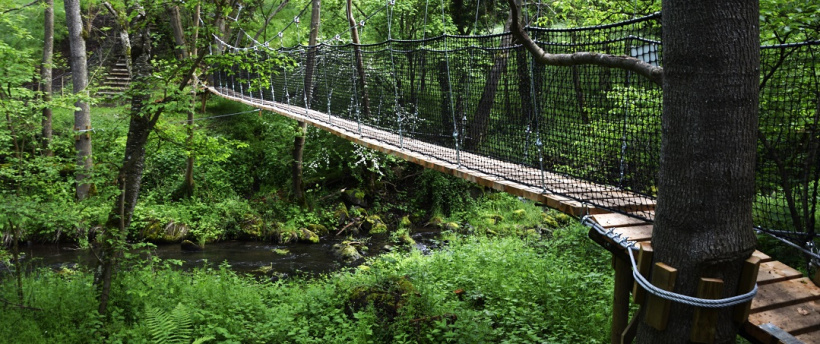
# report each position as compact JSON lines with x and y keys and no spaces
{"x":477,"y":289}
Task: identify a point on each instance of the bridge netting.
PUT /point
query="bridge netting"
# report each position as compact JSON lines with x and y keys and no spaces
{"x":585,"y":132}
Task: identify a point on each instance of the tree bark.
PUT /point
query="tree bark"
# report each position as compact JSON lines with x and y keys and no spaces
{"x":703,"y":226}
{"x":79,"y":77}
{"x":362,"y":82}
{"x":45,"y":74}
{"x":299,"y":140}
{"x":179,"y":33}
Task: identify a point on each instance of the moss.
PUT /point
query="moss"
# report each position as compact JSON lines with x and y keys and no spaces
{"x":306,"y":236}
{"x":563,"y":218}
{"x":519,"y":213}
{"x":373,"y":224}
{"x":437,"y":221}
{"x":281,"y":251}
{"x":355,"y":197}
{"x":171,"y":232}
{"x":550,"y":221}
{"x":346,"y":252}
{"x":340,"y":214}
{"x":405,"y":222}
{"x":452,"y":226}
{"x":318,"y":229}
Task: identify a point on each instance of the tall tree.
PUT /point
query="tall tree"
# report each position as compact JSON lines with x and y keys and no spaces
{"x":45,"y":73}
{"x":703,"y":226}
{"x":79,"y":78}
{"x":301,"y":127}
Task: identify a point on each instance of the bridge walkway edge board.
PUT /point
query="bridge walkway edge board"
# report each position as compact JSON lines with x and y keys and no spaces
{"x":553,"y":193}
{"x":786,"y":307}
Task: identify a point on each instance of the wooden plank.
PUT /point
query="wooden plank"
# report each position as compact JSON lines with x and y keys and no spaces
{"x":644,"y":265}
{"x":657,"y":309}
{"x":794,"y":319}
{"x":785,"y":293}
{"x":620,"y":302}
{"x":763,"y":257}
{"x":748,"y":278}
{"x":705,"y":319}
{"x":628,"y":335}
{"x":617,"y":220}
{"x":812,"y":337}
{"x":775,"y":271}
{"x":636,"y":233}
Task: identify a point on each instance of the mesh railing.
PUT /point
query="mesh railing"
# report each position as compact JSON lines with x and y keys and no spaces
{"x":589,"y":133}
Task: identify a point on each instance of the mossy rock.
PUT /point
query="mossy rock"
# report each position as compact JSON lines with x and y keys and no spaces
{"x":451,"y":226}
{"x":287,"y":236}
{"x":190,"y":246}
{"x":519,"y":213}
{"x":373,"y":224}
{"x":307,"y":236}
{"x":490,"y":221}
{"x":346,"y":252}
{"x":340,"y":214}
{"x":281,"y":251}
{"x":406,"y":239}
{"x":355,"y":197}
{"x":437,"y":221}
{"x":318,"y":229}
{"x":252,"y":227}
{"x":170,"y":232}
{"x":532,"y":233}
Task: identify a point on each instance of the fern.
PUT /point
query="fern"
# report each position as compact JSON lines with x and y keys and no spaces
{"x":175,"y":327}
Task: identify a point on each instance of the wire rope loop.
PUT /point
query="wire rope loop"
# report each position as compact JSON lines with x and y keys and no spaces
{"x":664,"y":294}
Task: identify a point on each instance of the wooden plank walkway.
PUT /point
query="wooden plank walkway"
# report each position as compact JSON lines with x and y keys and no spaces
{"x":787,"y":304}
{"x":786,"y":307}
{"x":570,"y":195}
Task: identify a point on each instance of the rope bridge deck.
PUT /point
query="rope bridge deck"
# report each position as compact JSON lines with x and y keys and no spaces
{"x":570,"y":195}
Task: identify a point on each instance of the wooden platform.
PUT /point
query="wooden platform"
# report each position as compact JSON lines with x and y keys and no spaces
{"x":570,"y":195}
{"x":787,"y":304}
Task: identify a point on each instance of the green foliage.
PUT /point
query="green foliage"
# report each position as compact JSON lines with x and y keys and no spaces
{"x":512,"y":290}
{"x":439,"y":193}
{"x":170,"y":328}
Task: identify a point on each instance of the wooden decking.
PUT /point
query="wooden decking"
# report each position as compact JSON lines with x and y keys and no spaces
{"x":787,"y":304}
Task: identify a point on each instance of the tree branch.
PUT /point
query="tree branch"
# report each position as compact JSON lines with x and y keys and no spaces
{"x":20,"y":8}
{"x":629,"y":63}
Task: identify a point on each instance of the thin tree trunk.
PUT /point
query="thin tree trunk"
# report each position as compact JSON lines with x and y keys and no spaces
{"x":179,"y":33}
{"x":187,"y":188}
{"x":478,"y":126}
{"x":79,"y":77}
{"x":130,"y":175}
{"x":299,"y":140}
{"x":703,"y":226}
{"x":354,"y":34}
{"x":45,"y":74}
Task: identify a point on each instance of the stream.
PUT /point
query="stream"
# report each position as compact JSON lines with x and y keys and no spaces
{"x":253,"y":257}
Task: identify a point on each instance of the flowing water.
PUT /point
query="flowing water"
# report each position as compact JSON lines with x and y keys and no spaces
{"x":254,"y":257}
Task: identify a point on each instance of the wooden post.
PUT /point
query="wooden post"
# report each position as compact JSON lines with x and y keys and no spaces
{"x":628,"y":335}
{"x":644,"y":265}
{"x":748,"y":278}
{"x":705,"y":319}
{"x":620,"y":303}
{"x":657,"y":309}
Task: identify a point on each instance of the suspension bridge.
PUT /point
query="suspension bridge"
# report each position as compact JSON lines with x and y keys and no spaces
{"x":581,"y":139}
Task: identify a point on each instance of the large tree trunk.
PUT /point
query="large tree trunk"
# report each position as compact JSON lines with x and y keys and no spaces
{"x":703,"y":226}
{"x":79,"y":77}
{"x":45,"y":73}
{"x":187,"y":188}
{"x":357,"y":51}
{"x":299,"y":140}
